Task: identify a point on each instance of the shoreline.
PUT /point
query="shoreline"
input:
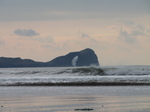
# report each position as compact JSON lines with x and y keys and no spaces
{"x":80,"y":84}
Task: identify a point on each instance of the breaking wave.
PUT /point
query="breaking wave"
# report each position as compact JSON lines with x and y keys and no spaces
{"x":116,"y":75}
{"x":109,"y":71}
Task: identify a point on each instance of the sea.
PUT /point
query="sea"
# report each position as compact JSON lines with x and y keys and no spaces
{"x":76,"y":76}
{"x":75,"y":89}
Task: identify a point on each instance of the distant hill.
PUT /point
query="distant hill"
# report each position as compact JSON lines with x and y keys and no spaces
{"x":18,"y":62}
{"x":86,"y":57}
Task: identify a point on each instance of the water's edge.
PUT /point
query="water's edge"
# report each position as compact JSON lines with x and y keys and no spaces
{"x":80,"y":84}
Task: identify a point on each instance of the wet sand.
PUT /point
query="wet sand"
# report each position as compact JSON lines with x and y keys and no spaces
{"x":67,"y":99}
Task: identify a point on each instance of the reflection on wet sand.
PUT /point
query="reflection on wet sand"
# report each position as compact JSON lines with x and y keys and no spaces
{"x":68,"y":103}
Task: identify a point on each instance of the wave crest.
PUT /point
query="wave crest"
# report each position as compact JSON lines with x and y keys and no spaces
{"x":89,"y":71}
{"x":107,"y":71}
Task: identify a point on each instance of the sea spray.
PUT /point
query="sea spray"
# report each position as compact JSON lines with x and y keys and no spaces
{"x":74,"y":60}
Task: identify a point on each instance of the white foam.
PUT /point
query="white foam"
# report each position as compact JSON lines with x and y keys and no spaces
{"x":131,"y":74}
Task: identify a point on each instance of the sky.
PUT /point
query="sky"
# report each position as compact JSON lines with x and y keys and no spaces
{"x":117,"y":30}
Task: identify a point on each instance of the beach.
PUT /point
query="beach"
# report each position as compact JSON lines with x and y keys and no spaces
{"x":69,"y":99}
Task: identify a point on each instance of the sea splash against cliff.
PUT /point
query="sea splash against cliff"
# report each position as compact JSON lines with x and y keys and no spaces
{"x":75,"y":76}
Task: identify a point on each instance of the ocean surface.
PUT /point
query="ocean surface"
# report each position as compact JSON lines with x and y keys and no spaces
{"x":68,"y":89}
{"x":109,"y":75}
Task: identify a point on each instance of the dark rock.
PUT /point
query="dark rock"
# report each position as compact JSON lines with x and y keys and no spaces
{"x":86,"y":57}
{"x":84,"y":109}
{"x":18,"y":62}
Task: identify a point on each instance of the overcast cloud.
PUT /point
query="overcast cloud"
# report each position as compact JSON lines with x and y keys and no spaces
{"x":25,"y":10}
{"x":136,"y":30}
{"x":50,"y":28}
{"x":26,"y":32}
{"x":126,"y":36}
{"x":84,"y":35}
{"x":47,"y":39}
{"x":1,"y":41}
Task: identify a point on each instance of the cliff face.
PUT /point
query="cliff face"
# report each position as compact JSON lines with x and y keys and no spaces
{"x":85,"y":57}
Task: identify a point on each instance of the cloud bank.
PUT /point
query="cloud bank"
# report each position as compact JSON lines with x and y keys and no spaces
{"x":132,"y":32}
{"x":26,"y":32}
{"x":129,"y":37}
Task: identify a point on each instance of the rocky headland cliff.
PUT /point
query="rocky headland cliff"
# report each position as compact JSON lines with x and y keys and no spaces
{"x":86,"y":57}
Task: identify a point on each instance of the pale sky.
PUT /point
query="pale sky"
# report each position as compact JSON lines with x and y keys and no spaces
{"x":117,"y":30}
